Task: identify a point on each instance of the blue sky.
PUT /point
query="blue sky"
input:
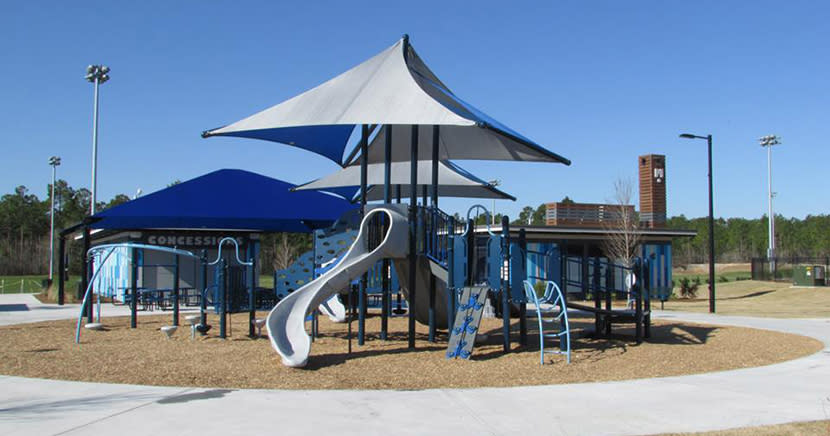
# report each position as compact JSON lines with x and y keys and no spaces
{"x":599,"y":82}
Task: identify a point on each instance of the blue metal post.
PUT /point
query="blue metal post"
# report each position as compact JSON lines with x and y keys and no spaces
{"x":251,"y":269}
{"x":364,"y":164}
{"x":133,"y":288}
{"x":385,"y":265}
{"x":315,"y":330}
{"x":203,"y":291}
{"x":223,"y":300}
{"x":176,"y":291}
{"x":450,"y":273}
{"x":413,"y":230}
{"x":87,"y":273}
{"x":523,"y":305}
{"x":433,"y":230}
{"x":505,"y":284}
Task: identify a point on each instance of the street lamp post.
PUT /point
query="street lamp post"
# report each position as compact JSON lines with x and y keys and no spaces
{"x":494,"y":183}
{"x":708,"y":139}
{"x":54,"y":161}
{"x":96,"y":74}
{"x":768,"y":141}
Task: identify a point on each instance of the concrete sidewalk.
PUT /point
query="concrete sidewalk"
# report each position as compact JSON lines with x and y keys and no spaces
{"x":797,"y":390}
{"x":25,"y":308}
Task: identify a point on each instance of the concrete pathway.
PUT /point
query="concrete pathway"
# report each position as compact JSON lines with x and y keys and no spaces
{"x":797,"y":390}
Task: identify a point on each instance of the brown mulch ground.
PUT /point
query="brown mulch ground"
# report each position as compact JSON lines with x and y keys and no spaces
{"x":143,"y":356}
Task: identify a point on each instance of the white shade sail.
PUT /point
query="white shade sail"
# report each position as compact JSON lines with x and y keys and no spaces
{"x":452,"y":181}
{"x":394,"y":87}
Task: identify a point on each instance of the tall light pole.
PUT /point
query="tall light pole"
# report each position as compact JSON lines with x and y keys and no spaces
{"x":54,"y":161}
{"x":96,"y":74}
{"x":708,"y":139}
{"x":768,"y":141}
{"x":494,"y":183}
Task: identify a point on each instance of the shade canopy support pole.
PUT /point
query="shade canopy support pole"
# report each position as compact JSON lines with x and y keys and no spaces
{"x":413,"y":230}
{"x":385,"y":266}
{"x":364,"y":165}
{"x":433,"y":230}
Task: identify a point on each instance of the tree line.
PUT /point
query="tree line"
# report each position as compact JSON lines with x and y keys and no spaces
{"x":736,"y":239}
{"x":24,"y":233}
{"x":25,"y":220}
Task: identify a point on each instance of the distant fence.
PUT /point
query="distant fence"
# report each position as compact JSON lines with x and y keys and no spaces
{"x":19,"y":285}
{"x":781,"y":268}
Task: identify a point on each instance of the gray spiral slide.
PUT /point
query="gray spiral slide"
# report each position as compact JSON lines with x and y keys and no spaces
{"x":286,"y":321}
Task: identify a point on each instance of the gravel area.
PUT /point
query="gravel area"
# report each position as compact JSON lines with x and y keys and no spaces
{"x":119,"y":354}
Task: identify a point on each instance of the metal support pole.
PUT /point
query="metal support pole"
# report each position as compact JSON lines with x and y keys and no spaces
{"x":598,"y":319}
{"x":364,"y":165}
{"x":584,"y":270}
{"x":61,"y":268}
{"x":87,"y":266}
{"x":361,"y":312}
{"x":711,"y":233}
{"x":94,"y":189}
{"x":52,"y":221}
{"x":176,"y":291}
{"x":523,"y":305}
{"x":505,"y":283}
{"x":134,"y":288}
{"x":432,"y":227}
{"x":450,"y":274}
{"x":315,"y":321}
{"x":609,"y":274}
{"x":252,"y":289}
{"x":385,"y":264}
{"x":203,"y":291}
{"x":771,"y":215}
{"x":646,"y":291}
{"x":708,"y":139}
{"x":413,"y":249}
{"x":638,"y":302}
{"x":223,"y":300}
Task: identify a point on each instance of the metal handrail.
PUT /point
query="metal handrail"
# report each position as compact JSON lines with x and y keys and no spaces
{"x":236,"y":246}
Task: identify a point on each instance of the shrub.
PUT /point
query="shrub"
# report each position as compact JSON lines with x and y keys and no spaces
{"x":688,"y":288}
{"x":723,"y":279}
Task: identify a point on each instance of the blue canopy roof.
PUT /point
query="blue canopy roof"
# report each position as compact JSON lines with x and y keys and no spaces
{"x":227,"y":199}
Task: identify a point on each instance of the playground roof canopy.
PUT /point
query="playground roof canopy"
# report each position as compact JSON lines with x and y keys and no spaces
{"x":227,"y":199}
{"x":395,"y":87}
{"x":453,"y":181}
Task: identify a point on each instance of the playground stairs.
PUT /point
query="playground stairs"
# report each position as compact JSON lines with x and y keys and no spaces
{"x":467,"y":322}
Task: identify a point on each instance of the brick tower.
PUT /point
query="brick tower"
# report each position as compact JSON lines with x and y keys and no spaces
{"x":652,"y":190}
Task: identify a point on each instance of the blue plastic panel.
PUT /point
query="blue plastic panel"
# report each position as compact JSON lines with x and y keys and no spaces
{"x":518,"y":273}
{"x":459,"y":262}
{"x":658,"y":257}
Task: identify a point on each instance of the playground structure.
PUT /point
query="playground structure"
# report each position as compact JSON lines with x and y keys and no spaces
{"x":445,"y":267}
{"x":456,"y":281}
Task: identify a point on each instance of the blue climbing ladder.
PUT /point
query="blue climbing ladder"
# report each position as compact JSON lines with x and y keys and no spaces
{"x":553,"y":305}
{"x":467,"y":322}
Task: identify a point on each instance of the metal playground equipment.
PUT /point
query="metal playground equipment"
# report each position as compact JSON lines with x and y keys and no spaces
{"x":131,"y":253}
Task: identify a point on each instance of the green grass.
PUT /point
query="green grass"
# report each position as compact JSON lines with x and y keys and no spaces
{"x":18,"y":284}
{"x":731,"y":276}
{"x":32,"y":284}
{"x":266,"y":280}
